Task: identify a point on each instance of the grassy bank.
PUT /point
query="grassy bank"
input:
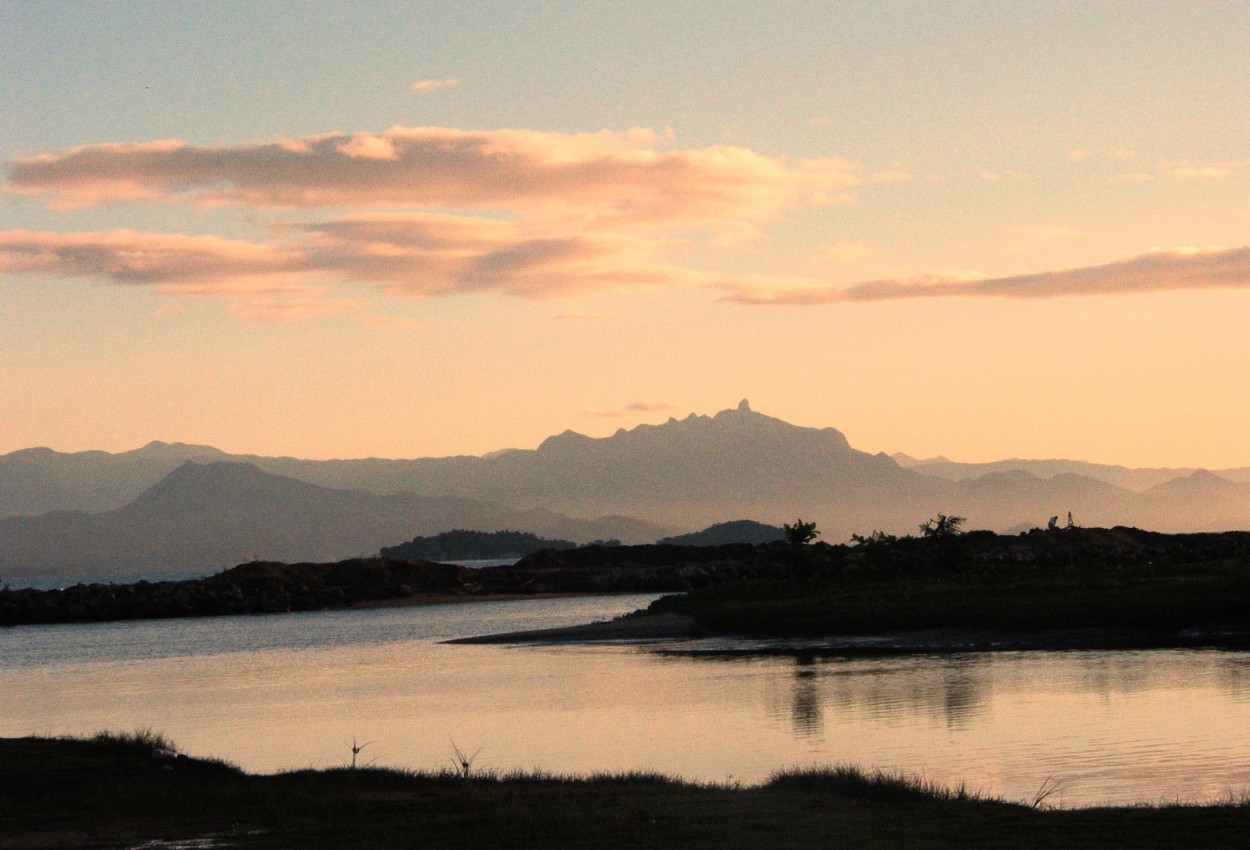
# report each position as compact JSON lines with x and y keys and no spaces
{"x":912,"y":584}
{"x":111,"y":791}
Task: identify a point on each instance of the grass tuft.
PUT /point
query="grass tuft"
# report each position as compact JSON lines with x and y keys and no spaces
{"x":141,"y":738}
{"x":850,"y":781}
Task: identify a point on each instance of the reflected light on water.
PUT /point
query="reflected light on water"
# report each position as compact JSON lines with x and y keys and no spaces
{"x":272,"y":693}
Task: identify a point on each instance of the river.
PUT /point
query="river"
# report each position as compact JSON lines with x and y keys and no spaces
{"x":287,"y":691}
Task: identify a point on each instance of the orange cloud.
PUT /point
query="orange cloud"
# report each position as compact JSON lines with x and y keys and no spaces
{"x":431,"y":85}
{"x":416,"y":254}
{"x":1154,"y":272}
{"x":1186,"y":170}
{"x":621,"y":176}
{"x":632,"y":409}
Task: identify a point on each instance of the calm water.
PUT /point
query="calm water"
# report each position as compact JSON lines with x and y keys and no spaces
{"x":276,"y":692}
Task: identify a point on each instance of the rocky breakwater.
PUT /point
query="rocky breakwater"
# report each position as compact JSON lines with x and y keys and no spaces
{"x":252,"y":588}
{"x":268,"y":587}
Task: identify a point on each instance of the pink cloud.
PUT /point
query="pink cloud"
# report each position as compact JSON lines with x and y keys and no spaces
{"x":622,"y":176}
{"x":527,"y":213}
{"x":433,"y":254}
{"x":1154,"y":272}
{"x":431,"y":85}
{"x":129,"y":257}
{"x":416,"y":255}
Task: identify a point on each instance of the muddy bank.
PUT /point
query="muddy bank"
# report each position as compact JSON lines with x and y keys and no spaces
{"x":634,"y":627}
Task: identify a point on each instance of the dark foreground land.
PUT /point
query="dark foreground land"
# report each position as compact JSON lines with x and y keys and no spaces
{"x":1046,"y":589}
{"x":111,"y":792}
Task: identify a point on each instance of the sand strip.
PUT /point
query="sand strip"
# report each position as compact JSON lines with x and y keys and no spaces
{"x":641,"y":627}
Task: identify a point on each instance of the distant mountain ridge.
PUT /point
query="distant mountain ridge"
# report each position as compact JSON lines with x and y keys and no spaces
{"x":1136,"y":479}
{"x":680,"y":475}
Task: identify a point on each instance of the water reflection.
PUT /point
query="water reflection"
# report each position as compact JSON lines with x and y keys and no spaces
{"x":951,"y":687}
{"x":1111,"y":726}
{"x":805,"y":711}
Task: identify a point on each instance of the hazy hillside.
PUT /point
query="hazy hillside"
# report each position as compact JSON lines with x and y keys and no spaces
{"x":35,"y":481}
{"x":212,"y":516}
{"x":1136,"y":479}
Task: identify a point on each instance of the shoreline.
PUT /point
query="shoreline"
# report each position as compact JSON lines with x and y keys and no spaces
{"x":642,"y":628}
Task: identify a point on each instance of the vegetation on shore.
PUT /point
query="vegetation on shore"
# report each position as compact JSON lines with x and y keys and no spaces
{"x":1059,"y":579}
{"x":112,"y":789}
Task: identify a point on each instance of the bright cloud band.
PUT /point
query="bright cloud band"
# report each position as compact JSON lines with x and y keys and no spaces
{"x":431,"y":211}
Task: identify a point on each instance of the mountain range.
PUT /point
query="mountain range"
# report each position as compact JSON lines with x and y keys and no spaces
{"x":202,"y":518}
{"x":188,"y":507}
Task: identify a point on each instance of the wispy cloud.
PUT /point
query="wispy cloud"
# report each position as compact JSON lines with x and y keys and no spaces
{"x":1190,"y":170}
{"x":1154,"y":272}
{"x":844,"y":252}
{"x":581,"y":316}
{"x":633,"y":409}
{"x":431,"y":85}
{"x":293,"y":309}
{"x":1050,"y":234}
{"x":892,"y":175}
{"x":406,"y":323}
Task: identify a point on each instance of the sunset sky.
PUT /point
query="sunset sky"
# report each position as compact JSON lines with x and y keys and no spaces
{"x":398,"y":229}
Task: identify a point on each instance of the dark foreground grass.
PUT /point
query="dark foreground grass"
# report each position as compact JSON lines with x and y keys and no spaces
{"x":111,"y":792}
{"x":1162,"y":598}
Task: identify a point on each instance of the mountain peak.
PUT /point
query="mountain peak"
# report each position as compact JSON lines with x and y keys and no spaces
{"x":744,"y":406}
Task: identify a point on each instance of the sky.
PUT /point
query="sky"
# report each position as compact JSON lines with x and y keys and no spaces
{"x":340,"y":229}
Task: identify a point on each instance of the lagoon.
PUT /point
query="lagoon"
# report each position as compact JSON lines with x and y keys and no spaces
{"x":289,"y":691}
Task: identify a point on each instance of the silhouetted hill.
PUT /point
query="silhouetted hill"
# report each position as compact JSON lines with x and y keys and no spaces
{"x":462,"y":545}
{"x":735,"y":531}
{"x":205,"y":517}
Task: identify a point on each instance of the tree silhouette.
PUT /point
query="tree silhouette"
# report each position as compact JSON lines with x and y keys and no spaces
{"x":801,"y":532}
{"x":943,"y":526}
